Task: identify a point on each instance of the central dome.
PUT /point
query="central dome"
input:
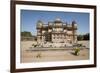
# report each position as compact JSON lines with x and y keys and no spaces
{"x":58,"y":20}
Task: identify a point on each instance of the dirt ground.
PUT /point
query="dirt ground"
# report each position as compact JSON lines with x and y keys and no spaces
{"x":44,"y":56}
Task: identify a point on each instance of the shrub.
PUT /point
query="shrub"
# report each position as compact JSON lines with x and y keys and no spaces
{"x":77,"y":50}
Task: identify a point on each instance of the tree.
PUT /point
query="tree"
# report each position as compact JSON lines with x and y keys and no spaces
{"x":86,"y":36}
{"x":26,"y":34}
{"x":80,"y":37}
{"x":83,"y":37}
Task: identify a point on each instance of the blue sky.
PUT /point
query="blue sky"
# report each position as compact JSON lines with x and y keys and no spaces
{"x":29,"y":19}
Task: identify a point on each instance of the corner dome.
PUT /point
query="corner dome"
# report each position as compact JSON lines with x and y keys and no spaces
{"x":74,"y":22}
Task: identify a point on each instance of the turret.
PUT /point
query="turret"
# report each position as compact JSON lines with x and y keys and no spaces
{"x":74,"y":23}
{"x":39,"y":24}
{"x":74,"y":28}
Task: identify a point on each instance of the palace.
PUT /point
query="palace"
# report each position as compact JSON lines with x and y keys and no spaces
{"x":56,"y":33}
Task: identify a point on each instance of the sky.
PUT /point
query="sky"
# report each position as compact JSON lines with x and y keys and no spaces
{"x":29,"y":19}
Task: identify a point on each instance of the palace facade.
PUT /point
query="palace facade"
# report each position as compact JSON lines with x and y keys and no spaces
{"x":56,"y":33}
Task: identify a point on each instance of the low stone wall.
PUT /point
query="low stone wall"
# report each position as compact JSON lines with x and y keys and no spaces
{"x":54,"y":45}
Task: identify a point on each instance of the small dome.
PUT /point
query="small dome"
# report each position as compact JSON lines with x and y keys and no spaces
{"x":50,"y":23}
{"x":64,"y":23}
{"x":74,"y":22}
{"x":39,"y":23}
